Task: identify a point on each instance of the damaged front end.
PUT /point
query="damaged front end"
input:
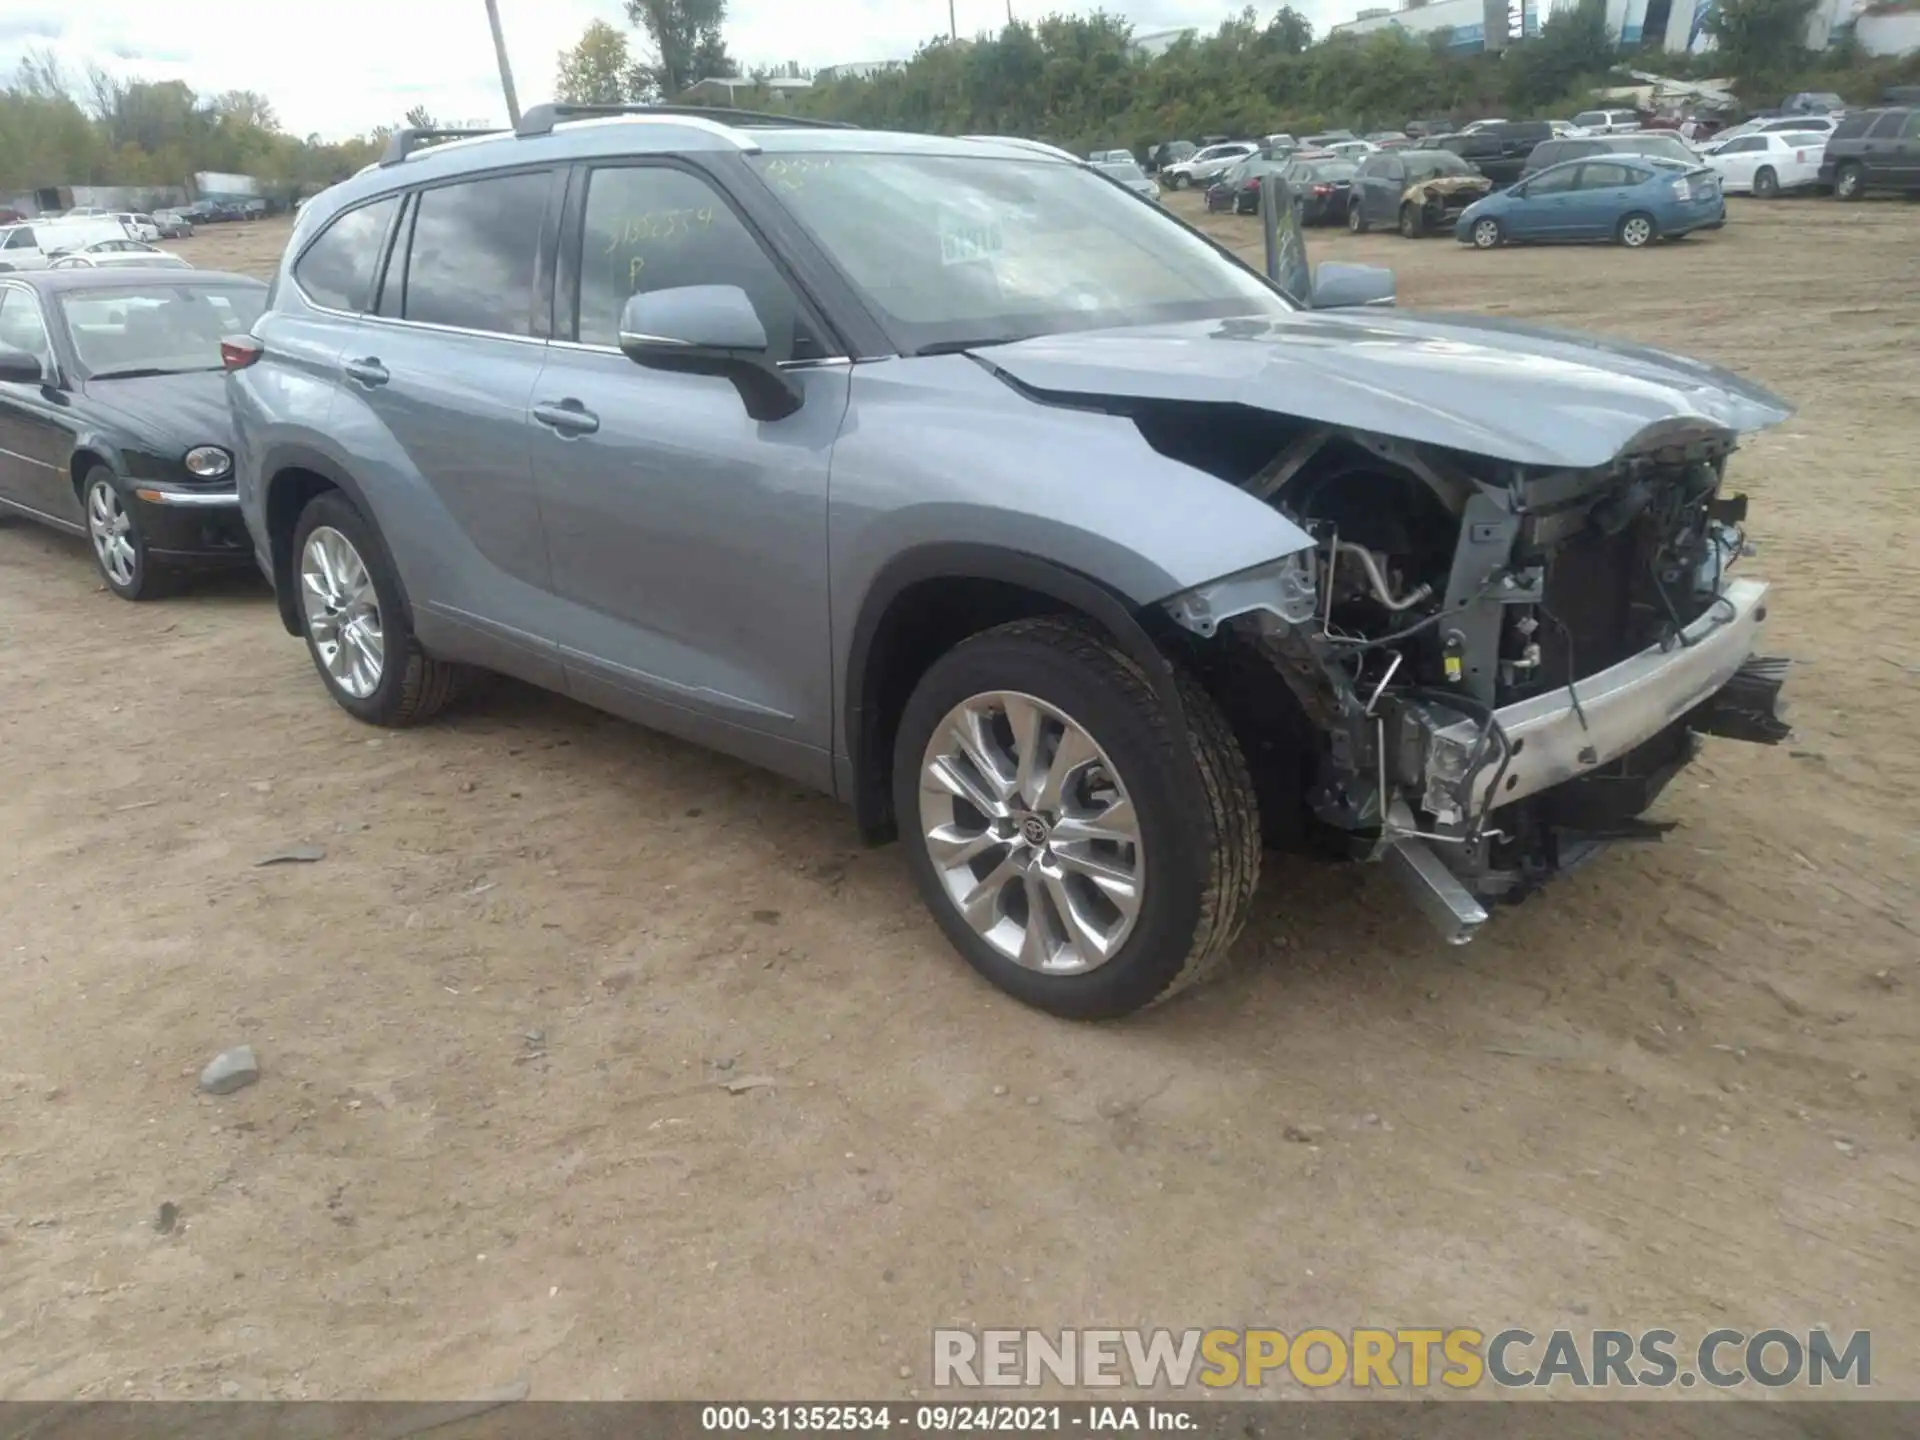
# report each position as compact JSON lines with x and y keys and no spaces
{"x":1500,"y":665}
{"x":1436,"y":203}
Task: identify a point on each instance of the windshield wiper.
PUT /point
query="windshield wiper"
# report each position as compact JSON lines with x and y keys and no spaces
{"x":147,"y":372}
{"x":960,"y":347}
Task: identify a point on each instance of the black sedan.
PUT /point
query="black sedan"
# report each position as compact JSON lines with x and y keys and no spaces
{"x":1238,"y":189}
{"x":113,"y":415}
{"x":1320,"y":189}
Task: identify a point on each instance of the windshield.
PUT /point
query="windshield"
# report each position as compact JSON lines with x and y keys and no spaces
{"x":1815,"y":140}
{"x":1121,"y":170}
{"x":958,"y":250}
{"x":1425,"y":164}
{"x":1667,"y":147}
{"x":163,"y":329}
{"x":1331,"y":170}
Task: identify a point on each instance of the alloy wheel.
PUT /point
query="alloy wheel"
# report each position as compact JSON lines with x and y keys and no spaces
{"x":342,"y":612}
{"x":1032,"y":833}
{"x":111,"y":530}
{"x":1486,"y":233}
{"x":1636,"y":231}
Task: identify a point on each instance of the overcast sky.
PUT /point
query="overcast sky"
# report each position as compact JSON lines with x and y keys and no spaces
{"x":340,"y":67}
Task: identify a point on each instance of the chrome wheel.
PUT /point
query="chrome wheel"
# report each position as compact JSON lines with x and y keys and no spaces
{"x":1486,"y":233}
{"x":111,"y":530}
{"x":1031,"y":833}
{"x":1635,"y":231}
{"x":342,"y":612}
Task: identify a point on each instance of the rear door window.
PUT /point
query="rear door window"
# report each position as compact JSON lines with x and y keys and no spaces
{"x":473,"y":251}
{"x":337,"y":269}
{"x":1606,"y":175}
{"x":1887,"y":126}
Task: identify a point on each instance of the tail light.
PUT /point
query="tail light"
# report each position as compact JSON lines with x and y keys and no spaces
{"x":1323,"y":189}
{"x":239,"y":351}
{"x":1682,"y":190}
{"x":1800,"y":156}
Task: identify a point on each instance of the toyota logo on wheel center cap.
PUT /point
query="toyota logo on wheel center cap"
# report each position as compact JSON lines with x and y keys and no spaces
{"x":1034,"y":830}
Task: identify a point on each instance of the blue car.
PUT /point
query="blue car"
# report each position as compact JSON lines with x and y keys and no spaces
{"x":1634,"y":199}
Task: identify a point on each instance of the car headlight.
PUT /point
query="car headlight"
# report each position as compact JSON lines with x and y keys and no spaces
{"x":209,"y":462}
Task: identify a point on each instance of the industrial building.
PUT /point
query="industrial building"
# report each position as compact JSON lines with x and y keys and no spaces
{"x":1466,"y":21}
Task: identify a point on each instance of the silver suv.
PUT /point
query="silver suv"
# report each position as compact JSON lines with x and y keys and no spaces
{"x":951,"y":478}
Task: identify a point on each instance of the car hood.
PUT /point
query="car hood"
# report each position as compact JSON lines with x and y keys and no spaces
{"x":171,"y":413}
{"x":1491,"y":387}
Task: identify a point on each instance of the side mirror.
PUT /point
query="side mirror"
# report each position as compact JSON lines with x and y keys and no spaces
{"x":19,"y":368}
{"x":1338,"y":286}
{"x":708,"y":330}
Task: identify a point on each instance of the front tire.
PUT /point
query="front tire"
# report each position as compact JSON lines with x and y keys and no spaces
{"x":1412,"y":225}
{"x":1849,"y":182}
{"x":1766,"y":184}
{"x":356,"y":623}
{"x":120,"y":551}
{"x":1486,"y":234}
{"x":1178,"y":181}
{"x":1081,"y":852}
{"x":1636,"y":231}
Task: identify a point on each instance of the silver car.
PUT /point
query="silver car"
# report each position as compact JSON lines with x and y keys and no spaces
{"x":944,"y":477}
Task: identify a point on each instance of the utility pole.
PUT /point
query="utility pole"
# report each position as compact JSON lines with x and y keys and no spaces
{"x":506,"y":70}
{"x":953,"y":28}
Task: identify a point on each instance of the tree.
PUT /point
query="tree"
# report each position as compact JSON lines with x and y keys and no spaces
{"x":686,"y":41}
{"x":597,"y":70}
{"x":1761,"y":40}
{"x":246,"y":108}
{"x":420,"y":118}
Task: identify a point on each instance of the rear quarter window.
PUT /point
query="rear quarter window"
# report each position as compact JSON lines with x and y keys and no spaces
{"x":1852,"y":126}
{"x":1886,"y":126}
{"x":338,"y":268}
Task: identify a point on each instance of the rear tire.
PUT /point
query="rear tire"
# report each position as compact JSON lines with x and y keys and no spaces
{"x":1184,"y":795}
{"x":1178,"y":182}
{"x":1766,"y":184}
{"x":1849,"y":182}
{"x":1356,"y":219}
{"x":407,"y":686}
{"x":1636,"y":231}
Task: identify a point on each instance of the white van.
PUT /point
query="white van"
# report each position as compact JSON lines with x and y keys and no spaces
{"x":33,"y":245}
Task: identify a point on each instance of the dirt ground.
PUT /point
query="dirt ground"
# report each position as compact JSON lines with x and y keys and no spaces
{"x":493,"y":1140}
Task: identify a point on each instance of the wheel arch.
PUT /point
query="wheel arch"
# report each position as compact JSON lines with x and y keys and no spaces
{"x":927,"y":599}
{"x":294,"y":479}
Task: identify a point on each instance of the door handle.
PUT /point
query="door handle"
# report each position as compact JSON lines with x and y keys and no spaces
{"x":368,"y":371}
{"x":568,"y":416}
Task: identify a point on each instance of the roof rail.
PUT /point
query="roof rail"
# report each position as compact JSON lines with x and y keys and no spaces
{"x":405,"y":142}
{"x":541,"y":119}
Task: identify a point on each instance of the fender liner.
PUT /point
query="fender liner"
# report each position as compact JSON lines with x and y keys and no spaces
{"x":870,"y":761}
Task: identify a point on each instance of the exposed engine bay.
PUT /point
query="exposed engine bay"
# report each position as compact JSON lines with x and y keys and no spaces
{"x":1504,"y":664}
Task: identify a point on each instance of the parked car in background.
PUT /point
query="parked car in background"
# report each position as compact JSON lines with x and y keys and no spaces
{"x":1425,"y":129}
{"x":38,"y":245}
{"x":1129,"y":174}
{"x":1767,"y":165}
{"x":82,"y":212}
{"x":1631,"y":199}
{"x":1049,"y":690}
{"x":1812,"y":102}
{"x":1386,"y":139}
{"x":1874,"y":150}
{"x":1420,"y":191}
{"x":1111,"y":157}
{"x":1474,"y":127}
{"x":138,"y":227}
{"x":1664,"y":145}
{"x":1322,"y":189}
{"x":1500,"y":150}
{"x":172,"y":225}
{"x":1205,"y":166}
{"x":1327,"y":139}
{"x":118,"y":253}
{"x":1606,"y":122}
{"x":1167,"y":152}
{"x":1355,"y":150}
{"x":1279,"y":143}
{"x":115,"y":409}
{"x":1238,"y":190}
{"x":1562,"y":128}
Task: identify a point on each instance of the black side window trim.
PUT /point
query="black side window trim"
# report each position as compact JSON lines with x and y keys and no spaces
{"x":572,"y":235}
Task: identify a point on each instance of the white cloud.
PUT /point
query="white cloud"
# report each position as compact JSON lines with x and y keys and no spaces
{"x":340,"y":67}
